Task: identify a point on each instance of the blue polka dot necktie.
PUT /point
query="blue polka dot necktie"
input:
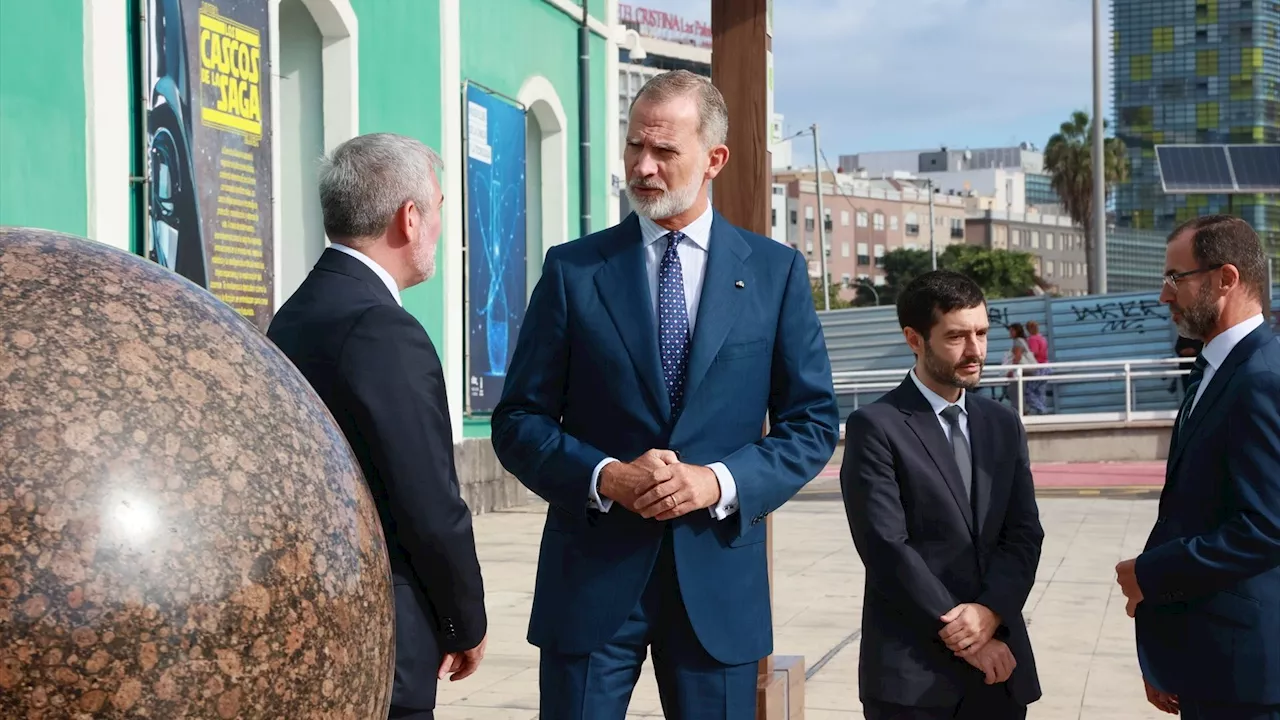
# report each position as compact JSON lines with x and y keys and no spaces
{"x":673,"y":322}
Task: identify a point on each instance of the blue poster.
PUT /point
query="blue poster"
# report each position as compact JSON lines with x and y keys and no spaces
{"x":495,"y":240}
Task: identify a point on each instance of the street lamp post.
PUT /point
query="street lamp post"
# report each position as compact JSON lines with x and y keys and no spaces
{"x":864,"y":282}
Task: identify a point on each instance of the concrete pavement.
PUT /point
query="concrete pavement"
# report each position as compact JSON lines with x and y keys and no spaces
{"x":1083,"y":640}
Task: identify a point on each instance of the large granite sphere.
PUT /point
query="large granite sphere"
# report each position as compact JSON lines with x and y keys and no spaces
{"x":183,"y":530}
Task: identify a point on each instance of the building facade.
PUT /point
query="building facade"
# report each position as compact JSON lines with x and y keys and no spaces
{"x":1055,"y":244}
{"x":864,"y":219}
{"x":1194,"y":72}
{"x":74,"y":140}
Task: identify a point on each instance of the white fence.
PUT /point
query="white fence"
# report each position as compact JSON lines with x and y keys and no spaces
{"x":876,"y":382}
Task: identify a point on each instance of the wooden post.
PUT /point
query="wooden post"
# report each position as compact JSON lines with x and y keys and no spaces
{"x":741,"y":52}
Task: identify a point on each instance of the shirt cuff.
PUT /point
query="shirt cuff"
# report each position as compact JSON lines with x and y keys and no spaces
{"x":728,"y":504}
{"x":594,"y":499}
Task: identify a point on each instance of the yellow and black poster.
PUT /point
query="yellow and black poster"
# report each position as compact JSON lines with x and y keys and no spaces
{"x":209,"y":145}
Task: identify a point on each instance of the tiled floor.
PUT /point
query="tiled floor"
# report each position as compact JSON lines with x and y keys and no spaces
{"x":1082,"y":638}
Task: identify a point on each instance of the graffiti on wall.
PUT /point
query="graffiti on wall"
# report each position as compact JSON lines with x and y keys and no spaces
{"x":1121,"y":315}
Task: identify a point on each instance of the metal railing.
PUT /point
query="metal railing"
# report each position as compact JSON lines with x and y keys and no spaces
{"x":880,"y":381}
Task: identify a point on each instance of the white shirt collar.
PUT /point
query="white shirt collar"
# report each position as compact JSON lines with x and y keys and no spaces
{"x":1217,"y":349}
{"x":375,"y":267}
{"x":698,"y":231}
{"x":936,"y":401}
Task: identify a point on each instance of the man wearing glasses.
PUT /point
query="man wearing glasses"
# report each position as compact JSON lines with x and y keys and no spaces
{"x":1205,"y":590}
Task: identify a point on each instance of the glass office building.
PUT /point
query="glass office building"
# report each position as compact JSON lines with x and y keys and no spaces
{"x":1194,"y":72}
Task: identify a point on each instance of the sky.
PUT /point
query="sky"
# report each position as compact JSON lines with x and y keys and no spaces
{"x":919,"y":74}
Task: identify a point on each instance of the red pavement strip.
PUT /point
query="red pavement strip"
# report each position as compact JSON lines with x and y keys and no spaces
{"x":1081,"y":475}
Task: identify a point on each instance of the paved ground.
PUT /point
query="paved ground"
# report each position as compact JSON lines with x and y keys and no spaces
{"x":1083,"y":640}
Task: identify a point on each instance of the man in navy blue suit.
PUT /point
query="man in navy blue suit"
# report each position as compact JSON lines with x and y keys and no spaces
{"x":378,"y":373}
{"x":1206,"y":589}
{"x":650,"y":358}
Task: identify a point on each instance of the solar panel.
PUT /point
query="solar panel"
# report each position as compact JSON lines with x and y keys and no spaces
{"x":1194,"y":168}
{"x":1257,"y":167}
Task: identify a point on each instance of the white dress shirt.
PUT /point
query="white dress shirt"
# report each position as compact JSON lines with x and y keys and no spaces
{"x":693,"y":254}
{"x":1215,"y":352}
{"x":375,"y":267}
{"x":939,"y":403}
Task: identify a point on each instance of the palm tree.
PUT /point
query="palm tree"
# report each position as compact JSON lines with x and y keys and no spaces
{"x":1068,"y":158}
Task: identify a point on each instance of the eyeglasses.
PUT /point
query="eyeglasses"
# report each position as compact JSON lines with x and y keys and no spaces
{"x":1171,"y":278}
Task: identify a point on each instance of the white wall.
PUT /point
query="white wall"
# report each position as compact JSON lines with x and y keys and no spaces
{"x":107,"y":126}
{"x":300,"y":237}
{"x":987,"y":183}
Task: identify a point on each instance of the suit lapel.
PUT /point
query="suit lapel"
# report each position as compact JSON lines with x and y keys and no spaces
{"x":981,"y":444}
{"x":1213,"y":392}
{"x":924,"y":422}
{"x":622,"y":283}
{"x":720,"y":300}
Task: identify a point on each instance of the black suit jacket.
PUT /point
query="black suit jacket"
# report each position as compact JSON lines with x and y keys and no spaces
{"x":925,"y":549}
{"x":375,"y":368}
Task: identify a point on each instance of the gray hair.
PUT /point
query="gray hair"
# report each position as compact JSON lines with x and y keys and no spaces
{"x":366,"y":180}
{"x":713,"y":114}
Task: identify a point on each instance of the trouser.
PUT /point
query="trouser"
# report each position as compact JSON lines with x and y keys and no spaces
{"x":692,"y":684}
{"x":980,"y":702}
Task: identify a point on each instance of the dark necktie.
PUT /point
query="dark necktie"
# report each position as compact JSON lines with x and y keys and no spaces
{"x":960,"y":446}
{"x":673,"y":323}
{"x":1194,"y":379}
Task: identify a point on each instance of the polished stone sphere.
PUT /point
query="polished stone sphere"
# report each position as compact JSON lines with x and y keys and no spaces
{"x":184,"y":532}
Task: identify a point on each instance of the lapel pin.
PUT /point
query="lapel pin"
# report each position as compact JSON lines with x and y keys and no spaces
{"x":739,"y":284}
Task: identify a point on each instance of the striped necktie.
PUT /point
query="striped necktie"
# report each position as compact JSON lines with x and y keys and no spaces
{"x":1193,"y":385}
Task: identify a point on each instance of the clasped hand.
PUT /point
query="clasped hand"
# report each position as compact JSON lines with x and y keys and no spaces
{"x":969,"y":633}
{"x":657,"y":485}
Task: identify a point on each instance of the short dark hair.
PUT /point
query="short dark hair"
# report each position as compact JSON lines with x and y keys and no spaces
{"x":1017,"y":330}
{"x":930,"y":296}
{"x":1228,"y":240}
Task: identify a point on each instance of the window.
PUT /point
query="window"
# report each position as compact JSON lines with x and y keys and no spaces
{"x":808,"y":247}
{"x":911,"y":246}
{"x":879,"y":250}
{"x":913,"y":224}
{"x":773,"y":222}
{"x":808,"y":220}
{"x":844,"y":218}
{"x":1048,"y":241}
{"x":879,"y":221}
{"x":893,"y":223}
{"x":1048,"y":268}
{"x":957,"y":228}
{"x":793,"y":217}
{"x":826,"y":220}
{"x":862,"y":218}
{"x":846,"y":279}
{"x":779,"y":190}
{"x":863,"y":257}
{"x":844,"y":249}
{"x":1035,"y":239}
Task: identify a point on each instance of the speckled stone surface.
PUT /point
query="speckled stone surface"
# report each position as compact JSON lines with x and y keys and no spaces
{"x":183,"y":530}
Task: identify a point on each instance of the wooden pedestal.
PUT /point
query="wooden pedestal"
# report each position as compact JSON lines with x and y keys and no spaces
{"x":780,"y":696}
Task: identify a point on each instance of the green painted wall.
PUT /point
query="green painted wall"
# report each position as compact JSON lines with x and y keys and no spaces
{"x":400,"y":93}
{"x":43,"y":176}
{"x":505,"y":42}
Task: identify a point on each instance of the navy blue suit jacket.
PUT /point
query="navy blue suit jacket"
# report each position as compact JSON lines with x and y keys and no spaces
{"x":377,"y":371}
{"x":586,"y":383}
{"x":1208,"y":628}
